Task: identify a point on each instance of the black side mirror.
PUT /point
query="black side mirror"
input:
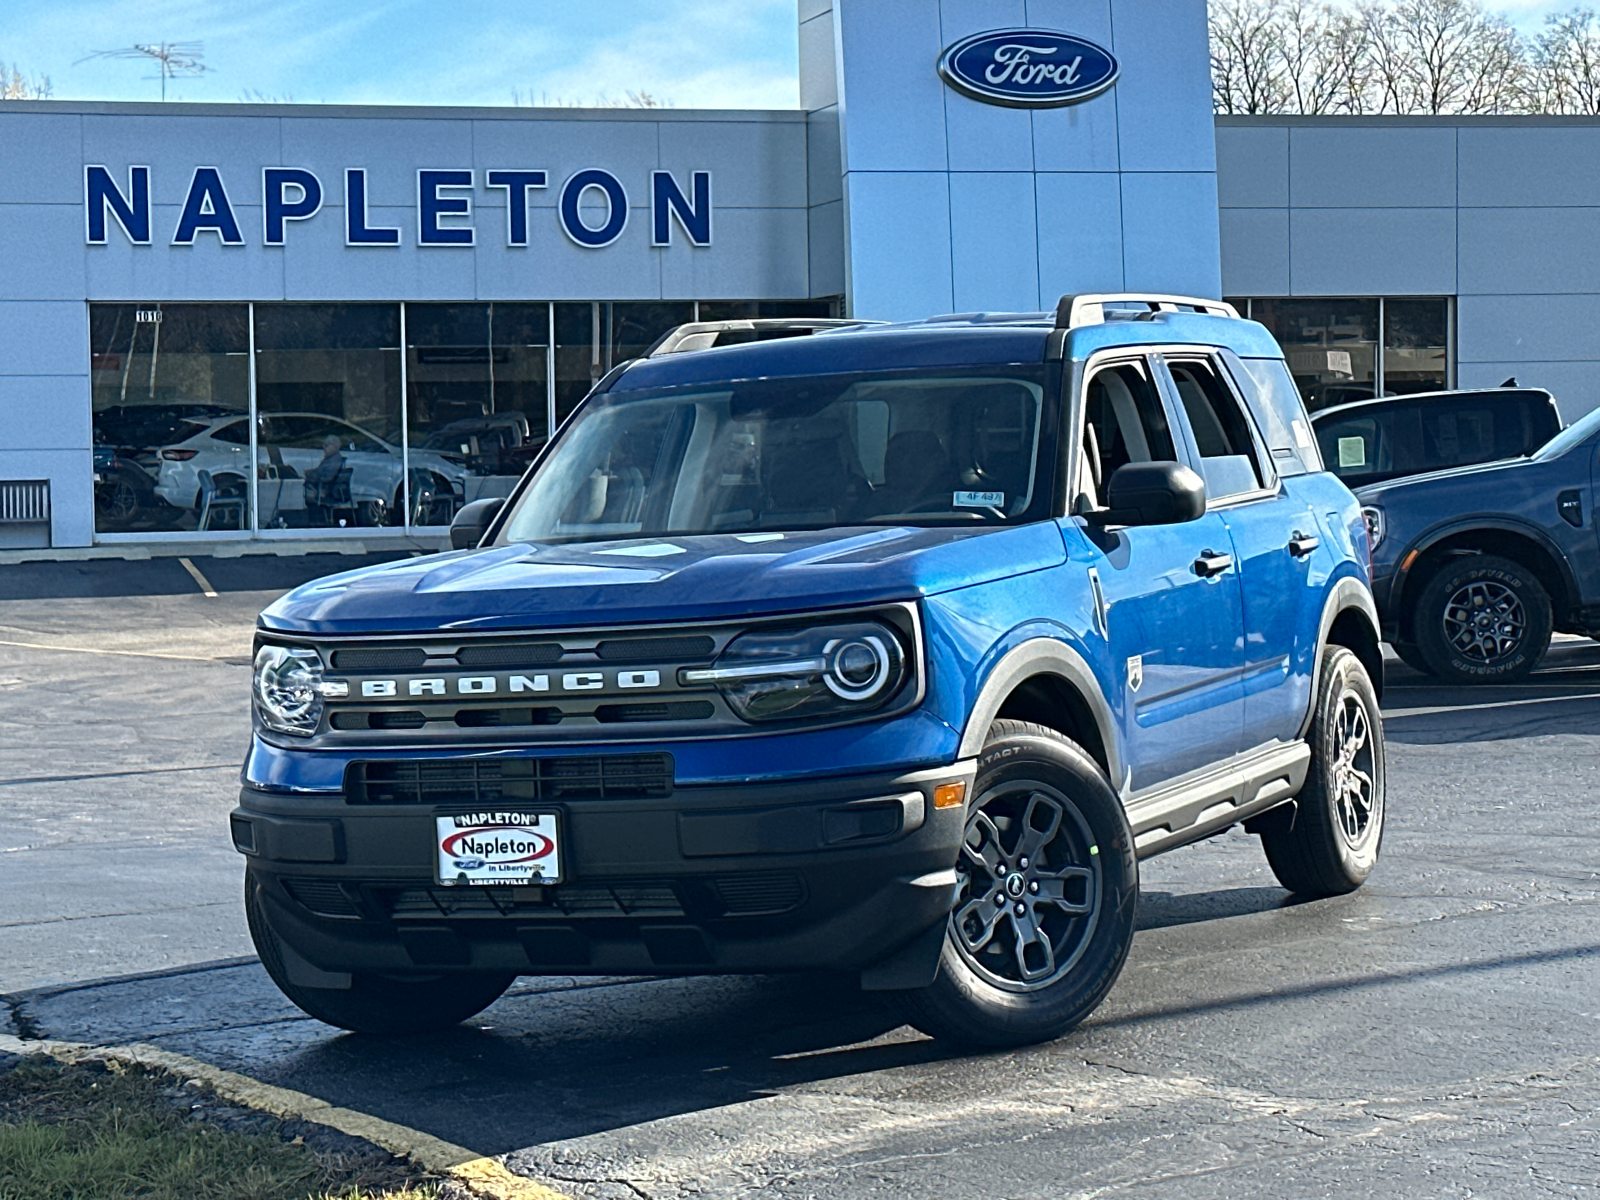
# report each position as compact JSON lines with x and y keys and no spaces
{"x":1151,"y":493}
{"x":467,"y":530}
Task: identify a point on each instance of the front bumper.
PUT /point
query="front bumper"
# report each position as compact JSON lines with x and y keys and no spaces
{"x":819,"y":874}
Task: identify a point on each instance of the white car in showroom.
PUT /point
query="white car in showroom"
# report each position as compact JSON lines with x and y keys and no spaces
{"x":289,"y":445}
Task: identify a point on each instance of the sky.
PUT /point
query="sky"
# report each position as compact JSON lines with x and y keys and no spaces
{"x":687,"y":53}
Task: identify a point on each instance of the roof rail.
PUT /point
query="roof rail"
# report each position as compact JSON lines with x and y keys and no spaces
{"x":1090,"y":309}
{"x":703,"y":335}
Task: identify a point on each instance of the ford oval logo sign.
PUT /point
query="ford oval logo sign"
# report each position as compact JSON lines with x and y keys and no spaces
{"x":1028,"y":68}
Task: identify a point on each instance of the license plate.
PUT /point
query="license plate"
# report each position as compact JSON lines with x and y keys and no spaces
{"x":497,"y":848}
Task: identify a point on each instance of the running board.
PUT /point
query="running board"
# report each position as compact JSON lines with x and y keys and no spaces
{"x":1174,"y":814}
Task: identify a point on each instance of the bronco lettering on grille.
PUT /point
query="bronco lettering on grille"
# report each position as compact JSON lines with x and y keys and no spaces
{"x":493,"y":685}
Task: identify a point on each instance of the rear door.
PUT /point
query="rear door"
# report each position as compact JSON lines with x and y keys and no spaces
{"x":1170,"y":600}
{"x":1275,"y":542}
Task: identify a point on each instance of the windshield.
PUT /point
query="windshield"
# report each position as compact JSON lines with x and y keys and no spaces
{"x":813,"y":452}
{"x":1570,"y":436}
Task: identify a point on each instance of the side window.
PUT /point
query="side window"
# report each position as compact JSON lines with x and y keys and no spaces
{"x":236,"y":432}
{"x":1228,"y":457}
{"x":1123,"y":422}
{"x":1280,"y":413}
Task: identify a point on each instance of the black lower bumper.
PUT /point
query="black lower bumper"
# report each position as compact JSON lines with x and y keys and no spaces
{"x":833,"y":874}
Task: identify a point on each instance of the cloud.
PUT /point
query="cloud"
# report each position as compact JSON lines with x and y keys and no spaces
{"x":697,"y":53}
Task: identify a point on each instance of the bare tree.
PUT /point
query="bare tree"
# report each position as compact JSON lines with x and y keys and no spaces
{"x":1248,"y":73}
{"x":630,"y":99}
{"x":14,"y":85}
{"x":1456,"y":57}
{"x":1566,"y":63}
{"x":1325,"y":59}
{"x":1381,"y":56}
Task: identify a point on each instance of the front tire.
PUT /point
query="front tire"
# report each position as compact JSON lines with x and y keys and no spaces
{"x":1044,"y":918}
{"x":1482,"y":619}
{"x":1327,"y":843}
{"x":376,"y":1004}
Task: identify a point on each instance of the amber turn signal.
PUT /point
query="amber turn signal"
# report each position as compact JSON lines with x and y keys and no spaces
{"x":950,"y":795}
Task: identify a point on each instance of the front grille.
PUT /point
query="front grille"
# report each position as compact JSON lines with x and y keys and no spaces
{"x":400,"y":659}
{"x":482,"y":783}
{"x":655,"y":898}
{"x":661,"y":649}
{"x":535,"y":654}
{"x":683,"y":710}
{"x":325,"y":897}
{"x":500,"y":718}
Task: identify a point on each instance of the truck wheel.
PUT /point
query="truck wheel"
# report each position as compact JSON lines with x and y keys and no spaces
{"x":1482,"y":619}
{"x":378,"y":1004}
{"x":1412,"y":657}
{"x":1326,"y":844}
{"x":1049,"y":884}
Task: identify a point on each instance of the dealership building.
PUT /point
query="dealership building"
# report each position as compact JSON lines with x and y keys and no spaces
{"x":252,"y":322}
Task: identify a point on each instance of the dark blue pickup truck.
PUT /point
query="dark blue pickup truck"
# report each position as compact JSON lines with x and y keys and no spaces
{"x":1474,"y":568}
{"x":888,"y":650}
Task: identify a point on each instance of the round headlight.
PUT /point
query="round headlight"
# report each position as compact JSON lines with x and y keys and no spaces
{"x":819,"y":672}
{"x":857,"y":667}
{"x":288,"y":691}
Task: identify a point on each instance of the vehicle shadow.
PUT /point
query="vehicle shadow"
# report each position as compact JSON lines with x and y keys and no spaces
{"x":1162,"y":910}
{"x":553,"y":1059}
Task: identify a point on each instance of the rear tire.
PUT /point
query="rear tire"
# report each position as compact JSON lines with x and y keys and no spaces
{"x":1327,"y":843}
{"x":1046,"y":837}
{"x":1482,"y":619}
{"x":376,"y":1004}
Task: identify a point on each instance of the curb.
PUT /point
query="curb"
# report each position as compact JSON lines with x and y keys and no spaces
{"x":487,"y":1178}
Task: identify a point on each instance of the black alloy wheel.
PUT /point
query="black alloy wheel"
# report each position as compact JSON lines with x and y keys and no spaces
{"x":1482,"y":619}
{"x":1030,"y":895}
{"x":1048,"y":887}
{"x":1327,"y":842}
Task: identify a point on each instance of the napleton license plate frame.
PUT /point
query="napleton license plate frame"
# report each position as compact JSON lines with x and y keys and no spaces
{"x":499,"y":848}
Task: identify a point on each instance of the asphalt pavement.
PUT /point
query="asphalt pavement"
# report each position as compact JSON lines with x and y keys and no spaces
{"x":1436,"y":1034}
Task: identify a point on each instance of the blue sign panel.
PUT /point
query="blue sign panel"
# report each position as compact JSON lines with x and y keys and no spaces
{"x":1028,"y":68}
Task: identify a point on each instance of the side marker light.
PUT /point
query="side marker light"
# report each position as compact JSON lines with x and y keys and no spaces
{"x":950,"y":795}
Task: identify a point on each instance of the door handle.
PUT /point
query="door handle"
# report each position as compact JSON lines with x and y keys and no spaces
{"x":1301,"y":544}
{"x":1209,"y":564}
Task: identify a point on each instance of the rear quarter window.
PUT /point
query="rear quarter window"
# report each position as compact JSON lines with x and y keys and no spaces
{"x":1399,"y":438}
{"x":1280,"y":413}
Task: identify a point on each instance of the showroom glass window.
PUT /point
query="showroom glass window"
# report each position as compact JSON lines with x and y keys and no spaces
{"x":1342,"y":349}
{"x":477,"y":401}
{"x":591,"y":337}
{"x":171,"y":387}
{"x":329,"y":435}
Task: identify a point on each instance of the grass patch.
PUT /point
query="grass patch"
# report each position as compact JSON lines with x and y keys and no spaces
{"x":107,"y":1131}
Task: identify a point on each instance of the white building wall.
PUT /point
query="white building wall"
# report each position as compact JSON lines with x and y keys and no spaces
{"x":950,"y":204}
{"x":1501,"y":212}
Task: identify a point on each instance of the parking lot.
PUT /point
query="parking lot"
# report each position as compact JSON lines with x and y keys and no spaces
{"x":1436,"y":1034}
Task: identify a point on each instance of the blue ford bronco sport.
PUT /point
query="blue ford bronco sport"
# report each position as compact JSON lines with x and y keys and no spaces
{"x":887,"y":649}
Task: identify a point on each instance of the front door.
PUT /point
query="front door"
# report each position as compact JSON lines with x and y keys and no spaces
{"x":1171,"y":611}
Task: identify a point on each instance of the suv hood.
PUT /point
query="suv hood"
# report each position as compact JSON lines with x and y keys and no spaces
{"x":1471,"y":475}
{"x":646,"y":580}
